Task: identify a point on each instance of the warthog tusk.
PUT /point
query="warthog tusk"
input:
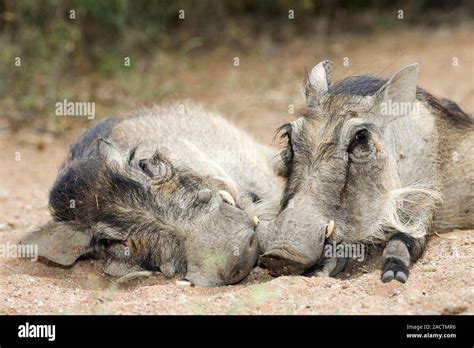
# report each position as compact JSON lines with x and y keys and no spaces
{"x":227,"y":197}
{"x":329,"y":228}
{"x":256,"y":220}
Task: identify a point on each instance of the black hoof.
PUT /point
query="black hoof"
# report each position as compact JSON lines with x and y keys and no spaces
{"x":394,"y":269}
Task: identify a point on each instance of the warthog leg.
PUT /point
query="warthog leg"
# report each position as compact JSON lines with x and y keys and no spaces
{"x":400,"y":252}
{"x":332,"y":266}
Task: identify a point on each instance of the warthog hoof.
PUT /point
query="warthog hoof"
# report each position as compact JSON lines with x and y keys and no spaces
{"x":394,"y":269}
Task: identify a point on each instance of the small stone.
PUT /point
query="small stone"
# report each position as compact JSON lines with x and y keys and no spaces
{"x":183,"y":283}
{"x":453,"y":310}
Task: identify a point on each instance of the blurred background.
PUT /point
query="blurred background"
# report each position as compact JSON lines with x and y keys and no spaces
{"x":76,"y":50}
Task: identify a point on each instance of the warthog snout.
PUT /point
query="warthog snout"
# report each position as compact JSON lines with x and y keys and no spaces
{"x":244,"y":265}
{"x":297,"y":246}
{"x":285,"y":260}
{"x":227,"y":269}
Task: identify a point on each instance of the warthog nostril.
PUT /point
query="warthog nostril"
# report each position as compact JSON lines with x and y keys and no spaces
{"x":236,"y":275}
{"x":284,"y":262}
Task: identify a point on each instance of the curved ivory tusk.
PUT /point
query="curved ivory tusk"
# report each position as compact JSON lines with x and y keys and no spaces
{"x":256,"y":220}
{"x":229,"y":184}
{"x":227,"y":197}
{"x":329,"y":228}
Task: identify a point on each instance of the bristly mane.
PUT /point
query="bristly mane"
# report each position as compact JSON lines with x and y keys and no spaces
{"x":366,"y":85}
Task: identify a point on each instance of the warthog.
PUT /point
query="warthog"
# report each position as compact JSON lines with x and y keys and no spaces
{"x":175,"y":189}
{"x":369,"y":160}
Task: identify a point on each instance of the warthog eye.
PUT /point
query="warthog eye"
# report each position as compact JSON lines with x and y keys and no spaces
{"x":155,"y":170}
{"x":361,"y":147}
{"x":361,"y":137}
{"x":143,"y":165}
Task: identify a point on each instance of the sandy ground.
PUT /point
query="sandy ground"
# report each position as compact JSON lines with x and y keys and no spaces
{"x":442,"y":282}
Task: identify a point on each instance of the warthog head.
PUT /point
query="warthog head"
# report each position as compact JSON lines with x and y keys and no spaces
{"x":341,"y":176}
{"x":151,"y":214}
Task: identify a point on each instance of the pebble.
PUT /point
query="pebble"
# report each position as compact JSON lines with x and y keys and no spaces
{"x":183,"y":283}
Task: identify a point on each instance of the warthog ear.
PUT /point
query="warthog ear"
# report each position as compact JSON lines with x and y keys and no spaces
{"x":60,"y":242}
{"x":317,"y":82}
{"x":109,"y":151}
{"x":397,"y":96}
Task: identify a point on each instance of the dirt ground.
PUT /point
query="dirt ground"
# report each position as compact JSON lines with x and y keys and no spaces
{"x":256,"y":95}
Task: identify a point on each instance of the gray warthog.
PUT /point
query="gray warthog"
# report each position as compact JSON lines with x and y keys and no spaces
{"x":369,"y":160}
{"x":175,"y":189}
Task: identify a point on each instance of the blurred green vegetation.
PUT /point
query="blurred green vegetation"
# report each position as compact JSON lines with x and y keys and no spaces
{"x":71,"y":38}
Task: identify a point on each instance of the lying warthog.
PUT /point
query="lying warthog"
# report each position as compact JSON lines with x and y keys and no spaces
{"x":367,"y":161}
{"x":175,"y":189}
